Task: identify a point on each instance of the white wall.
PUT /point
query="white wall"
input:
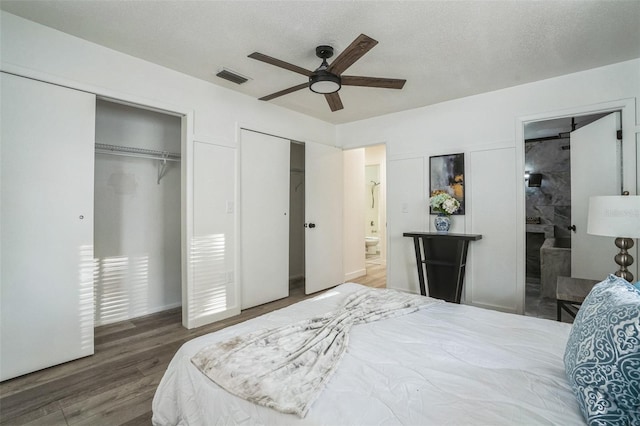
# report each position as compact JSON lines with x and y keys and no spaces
{"x":213,"y":116}
{"x":136,"y":220}
{"x":484,"y":127}
{"x":38,"y":51}
{"x":480,"y":123}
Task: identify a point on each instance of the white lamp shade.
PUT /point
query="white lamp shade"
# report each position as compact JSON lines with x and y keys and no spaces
{"x":614,"y":216}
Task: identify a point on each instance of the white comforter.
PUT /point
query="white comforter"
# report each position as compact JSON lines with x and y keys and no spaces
{"x":449,"y":364}
{"x":285,"y":368}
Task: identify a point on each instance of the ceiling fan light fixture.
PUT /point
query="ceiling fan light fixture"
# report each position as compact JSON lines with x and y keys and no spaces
{"x":324,"y":82}
{"x":328,"y":79}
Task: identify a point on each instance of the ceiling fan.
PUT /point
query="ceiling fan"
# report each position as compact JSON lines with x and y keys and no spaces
{"x":327,"y":79}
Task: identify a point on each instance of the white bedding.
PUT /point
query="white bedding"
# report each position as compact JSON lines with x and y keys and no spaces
{"x":286,"y":368}
{"x":449,"y":364}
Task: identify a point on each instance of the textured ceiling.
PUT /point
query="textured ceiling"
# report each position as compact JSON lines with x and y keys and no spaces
{"x":444,"y":49}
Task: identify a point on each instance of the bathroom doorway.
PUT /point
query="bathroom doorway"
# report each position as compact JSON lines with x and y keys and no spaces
{"x":365,"y":216}
{"x":373,"y":246}
{"x":548,"y":203}
{"x":375,"y":216}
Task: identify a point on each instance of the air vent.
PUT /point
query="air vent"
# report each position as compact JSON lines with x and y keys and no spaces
{"x":535,"y":180}
{"x":232,"y":76}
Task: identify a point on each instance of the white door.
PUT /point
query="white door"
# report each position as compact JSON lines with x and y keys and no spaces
{"x":323,"y":211}
{"x":210,"y":293}
{"x":46,"y":221}
{"x":264,"y":205}
{"x":596,"y":169}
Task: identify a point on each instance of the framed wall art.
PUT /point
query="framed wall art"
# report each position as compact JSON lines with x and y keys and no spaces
{"x":446,"y":173}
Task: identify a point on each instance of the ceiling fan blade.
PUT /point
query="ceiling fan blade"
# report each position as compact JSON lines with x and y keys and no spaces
{"x":279,"y":63}
{"x":284,"y":92}
{"x":361,"y":45}
{"x":334,"y":101}
{"x":385,"y":83}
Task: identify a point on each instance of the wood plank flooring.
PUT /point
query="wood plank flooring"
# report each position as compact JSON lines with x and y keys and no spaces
{"x":116,"y":385}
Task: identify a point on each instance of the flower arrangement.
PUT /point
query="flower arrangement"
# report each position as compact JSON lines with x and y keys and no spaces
{"x":443,"y":203}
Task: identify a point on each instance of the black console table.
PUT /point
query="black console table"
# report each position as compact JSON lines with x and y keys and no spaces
{"x":444,"y":256}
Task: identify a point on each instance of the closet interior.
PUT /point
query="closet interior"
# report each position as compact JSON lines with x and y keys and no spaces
{"x":137,"y":222}
{"x":296,"y":216}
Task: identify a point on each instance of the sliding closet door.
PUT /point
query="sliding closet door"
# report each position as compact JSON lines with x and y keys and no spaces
{"x":46,"y":217}
{"x":264,"y":218}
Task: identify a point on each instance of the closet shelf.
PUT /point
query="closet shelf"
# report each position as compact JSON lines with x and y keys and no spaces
{"x":126,"y":151}
{"x":104,"y":148}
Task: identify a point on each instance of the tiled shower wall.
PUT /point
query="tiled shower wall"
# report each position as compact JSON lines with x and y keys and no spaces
{"x":551,"y":202}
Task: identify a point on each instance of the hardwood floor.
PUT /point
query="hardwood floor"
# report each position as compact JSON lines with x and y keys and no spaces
{"x":376,"y":273}
{"x":116,"y":385}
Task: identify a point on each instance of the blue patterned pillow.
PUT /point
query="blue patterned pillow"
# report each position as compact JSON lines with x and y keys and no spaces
{"x":602,"y":358}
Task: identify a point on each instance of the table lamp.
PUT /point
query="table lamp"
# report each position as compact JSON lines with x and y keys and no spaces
{"x":616,"y":216}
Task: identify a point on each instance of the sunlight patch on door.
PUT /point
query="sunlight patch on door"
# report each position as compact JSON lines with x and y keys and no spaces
{"x":86,"y":271}
{"x":212,"y":287}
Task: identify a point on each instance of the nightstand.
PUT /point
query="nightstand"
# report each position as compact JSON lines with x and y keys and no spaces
{"x":570,"y":293}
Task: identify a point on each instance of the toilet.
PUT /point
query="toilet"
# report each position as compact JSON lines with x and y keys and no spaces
{"x":371,"y":244}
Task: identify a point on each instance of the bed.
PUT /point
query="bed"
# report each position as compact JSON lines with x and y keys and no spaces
{"x":442,"y":364}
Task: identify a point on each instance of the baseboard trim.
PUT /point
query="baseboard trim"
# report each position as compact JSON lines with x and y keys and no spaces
{"x":149,"y":311}
{"x":355,"y":274}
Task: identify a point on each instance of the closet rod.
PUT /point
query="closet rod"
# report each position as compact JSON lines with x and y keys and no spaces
{"x":126,"y":151}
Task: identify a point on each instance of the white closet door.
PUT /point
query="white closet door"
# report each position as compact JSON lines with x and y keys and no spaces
{"x":323,"y":211}
{"x":46,"y":218}
{"x":264,"y":189}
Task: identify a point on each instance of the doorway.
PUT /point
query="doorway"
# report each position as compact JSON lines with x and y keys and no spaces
{"x":549,"y":194}
{"x":365,"y":216}
{"x":375,"y":210}
{"x":137,"y":218}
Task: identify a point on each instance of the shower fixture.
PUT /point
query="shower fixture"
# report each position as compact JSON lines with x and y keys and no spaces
{"x":373,"y":187}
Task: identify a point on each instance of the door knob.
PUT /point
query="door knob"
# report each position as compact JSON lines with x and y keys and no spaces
{"x":572,"y":228}
{"x":309,"y":225}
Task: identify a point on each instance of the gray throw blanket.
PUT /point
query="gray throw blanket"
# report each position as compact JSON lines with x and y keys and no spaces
{"x":285,"y":368}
